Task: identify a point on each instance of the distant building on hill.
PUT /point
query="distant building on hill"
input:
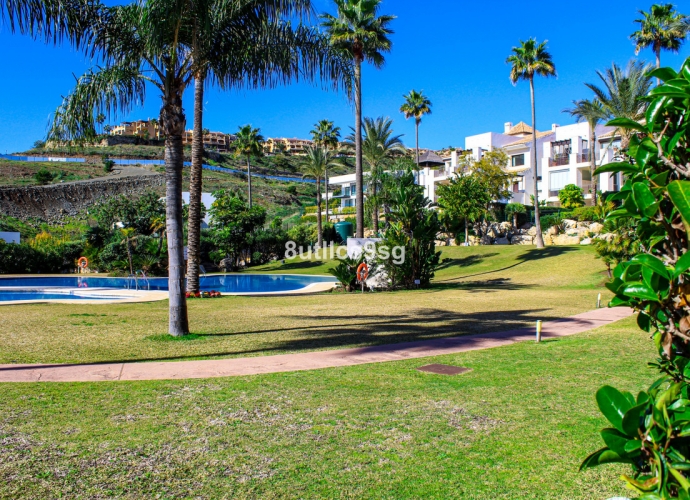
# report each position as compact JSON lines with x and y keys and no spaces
{"x":218,"y":141}
{"x":276,"y":145}
{"x":149,"y":129}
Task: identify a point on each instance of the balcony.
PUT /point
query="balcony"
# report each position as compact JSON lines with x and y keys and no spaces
{"x":584,"y":157}
{"x":439,"y":173}
{"x":559,"y":160}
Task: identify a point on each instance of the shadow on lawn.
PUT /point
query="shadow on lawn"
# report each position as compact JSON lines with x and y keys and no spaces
{"x":529,"y":256}
{"x":343,"y":331}
{"x":488,"y":286}
{"x":288,"y":266}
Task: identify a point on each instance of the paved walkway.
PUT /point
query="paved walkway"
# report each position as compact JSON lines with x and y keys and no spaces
{"x":303,"y":361}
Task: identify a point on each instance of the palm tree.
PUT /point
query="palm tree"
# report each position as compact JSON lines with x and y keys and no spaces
{"x":592,"y":112}
{"x":326,"y":135}
{"x":416,"y":105}
{"x":363,"y":35}
{"x":248,"y":143}
{"x":276,"y":54}
{"x":137,"y":44}
{"x":315,"y":165}
{"x":622,"y":92}
{"x":662,"y":28}
{"x":378,"y":146}
{"x":529,"y":59}
{"x":128,"y":235}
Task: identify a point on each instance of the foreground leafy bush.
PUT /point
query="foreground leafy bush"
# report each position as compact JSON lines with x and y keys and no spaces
{"x":651,"y":432}
{"x":571,"y":196}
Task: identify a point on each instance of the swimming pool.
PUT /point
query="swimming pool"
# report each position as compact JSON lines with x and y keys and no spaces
{"x":84,"y":288}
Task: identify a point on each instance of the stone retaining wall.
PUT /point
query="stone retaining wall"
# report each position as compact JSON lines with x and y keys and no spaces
{"x":55,"y":202}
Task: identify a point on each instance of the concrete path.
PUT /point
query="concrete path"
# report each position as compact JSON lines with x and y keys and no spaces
{"x":303,"y":361}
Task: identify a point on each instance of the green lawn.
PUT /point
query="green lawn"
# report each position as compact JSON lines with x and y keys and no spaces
{"x":476,"y":290}
{"x":516,"y":427}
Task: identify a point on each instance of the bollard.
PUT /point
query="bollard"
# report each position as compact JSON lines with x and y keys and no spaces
{"x":538,"y":331}
{"x":599,"y":301}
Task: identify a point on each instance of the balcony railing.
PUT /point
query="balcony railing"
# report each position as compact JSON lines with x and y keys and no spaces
{"x":439,"y":173}
{"x":553,"y":193}
{"x":559,"y":160}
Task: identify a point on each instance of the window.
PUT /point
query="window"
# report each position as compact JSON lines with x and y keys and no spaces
{"x":560,"y":148}
{"x":517,"y":160}
{"x":558,"y":179}
{"x":346,"y":190}
{"x":353,"y":189}
{"x":519,"y":185}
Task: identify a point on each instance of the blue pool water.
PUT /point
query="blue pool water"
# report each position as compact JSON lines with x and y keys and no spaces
{"x":230,"y":283}
{"x":7,"y":295}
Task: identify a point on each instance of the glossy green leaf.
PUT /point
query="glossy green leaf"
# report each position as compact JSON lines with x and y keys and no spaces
{"x":644,"y":199}
{"x":627,"y":123}
{"x":603,"y":456}
{"x":682,"y":265}
{"x":663,"y":74}
{"x":644,"y":322}
{"x":679,"y":192}
{"x":615,"y":441}
{"x":645,"y":152}
{"x":632,"y":420}
{"x":640,"y":291}
{"x":656,"y":107}
{"x":614,"y":405}
{"x":626,"y":168}
{"x":653,"y":263}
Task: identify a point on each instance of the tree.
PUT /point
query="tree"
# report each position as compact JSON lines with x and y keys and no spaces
{"x":662,"y":28}
{"x":529,"y":59}
{"x":622,"y":93}
{"x":327,"y":135}
{"x":138,"y":43}
{"x":315,"y":165}
{"x":513,"y":210}
{"x":648,"y":431}
{"x":360,"y":32}
{"x":491,"y":172}
{"x":571,"y":196}
{"x":464,"y":199}
{"x":248,"y":143}
{"x":128,"y":236}
{"x":416,"y":105}
{"x":378,"y":146}
{"x":248,"y":44}
{"x":414,"y":227}
{"x":592,"y":112}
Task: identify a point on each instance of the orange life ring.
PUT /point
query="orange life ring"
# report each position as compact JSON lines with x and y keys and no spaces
{"x":362,"y":272}
{"x":83,"y":262}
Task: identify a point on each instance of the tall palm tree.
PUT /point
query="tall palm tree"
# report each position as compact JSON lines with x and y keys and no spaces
{"x":662,"y":28}
{"x":360,"y":32}
{"x":531,"y":58}
{"x":247,"y":43}
{"x":378,"y":146}
{"x":622,"y":92}
{"x":416,"y":105}
{"x":136,"y":44}
{"x":248,"y":143}
{"x":592,"y":112}
{"x":315,"y":165}
{"x":326,"y":135}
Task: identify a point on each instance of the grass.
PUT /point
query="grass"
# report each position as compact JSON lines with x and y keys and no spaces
{"x":476,"y":290}
{"x":516,"y":427}
{"x":21,"y":173}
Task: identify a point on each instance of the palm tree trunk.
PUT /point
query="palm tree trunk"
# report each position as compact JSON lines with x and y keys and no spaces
{"x":326,"y":180}
{"x":535,"y":172}
{"x":319,"y":227}
{"x":593,"y":165}
{"x":467,"y":233}
{"x":359,"y":178}
{"x":174,"y":159}
{"x":416,"y":134}
{"x":376,"y":210}
{"x":249,"y":180}
{"x":195,"y":187}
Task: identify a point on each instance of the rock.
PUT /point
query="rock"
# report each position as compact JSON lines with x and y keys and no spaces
{"x":532,"y":231}
{"x":506,"y":227}
{"x":548,"y":238}
{"x":502,"y":241}
{"x":526,"y":226}
{"x":584,"y":225}
{"x":486,"y":240}
{"x":586,"y":241}
{"x":522,"y":239}
{"x":569,"y":223}
{"x":440,"y":243}
{"x":369,"y":233}
{"x":474,"y":241}
{"x":565,"y":239}
{"x":553,"y":230}
{"x":596,"y":228}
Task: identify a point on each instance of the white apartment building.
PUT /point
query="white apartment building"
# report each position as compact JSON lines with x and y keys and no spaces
{"x":562,"y":159}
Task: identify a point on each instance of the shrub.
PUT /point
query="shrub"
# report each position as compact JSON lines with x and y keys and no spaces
{"x":650,"y":431}
{"x":291,"y":189}
{"x":571,"y":196}
{"x":346,"y":271}
{"x":310,"y":210}
{"x":585,"y":214}
{"x":108,"y":165}
{"x":44,"y":176}
{"x":514,"y":210}
{"x":551,"y":220}
{"x":308,"y":218}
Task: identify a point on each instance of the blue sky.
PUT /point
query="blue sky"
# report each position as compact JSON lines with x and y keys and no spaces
{"x":454,"y":50}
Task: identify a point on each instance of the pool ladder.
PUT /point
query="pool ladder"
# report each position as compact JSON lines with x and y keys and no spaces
{"x":135,"y":278}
